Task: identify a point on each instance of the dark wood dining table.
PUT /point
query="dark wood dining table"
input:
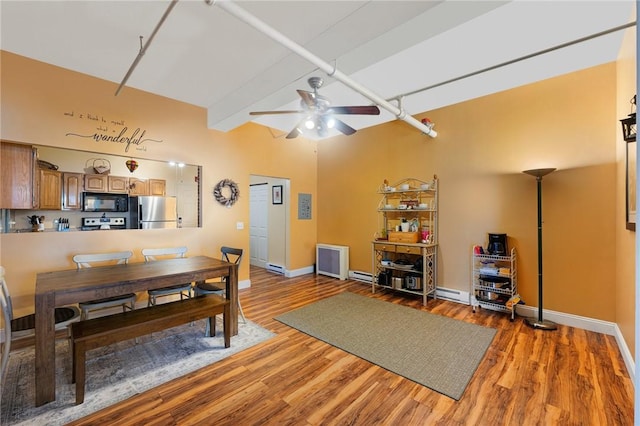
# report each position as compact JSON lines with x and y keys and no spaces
{"x":66,"y":287}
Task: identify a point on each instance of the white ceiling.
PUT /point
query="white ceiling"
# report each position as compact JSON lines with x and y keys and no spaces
{"x":205,"y":56}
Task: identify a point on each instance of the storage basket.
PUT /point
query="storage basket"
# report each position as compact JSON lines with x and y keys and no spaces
{"x":101,"y":166}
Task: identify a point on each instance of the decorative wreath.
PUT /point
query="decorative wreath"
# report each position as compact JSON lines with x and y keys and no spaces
{"x":233,"y":187}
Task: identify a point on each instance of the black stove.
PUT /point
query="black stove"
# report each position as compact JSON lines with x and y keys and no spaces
{"x":102,"y":223}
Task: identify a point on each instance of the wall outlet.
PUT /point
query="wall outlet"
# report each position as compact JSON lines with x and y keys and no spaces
{"x":239,"y":225}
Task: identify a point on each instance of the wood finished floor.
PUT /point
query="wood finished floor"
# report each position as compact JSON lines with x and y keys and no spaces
{"x":528,"y":377}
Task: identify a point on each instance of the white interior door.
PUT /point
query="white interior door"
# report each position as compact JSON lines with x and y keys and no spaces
{"x":259,"y":225}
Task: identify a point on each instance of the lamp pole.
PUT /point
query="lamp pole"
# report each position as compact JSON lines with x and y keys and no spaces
{"x":540,"y":323}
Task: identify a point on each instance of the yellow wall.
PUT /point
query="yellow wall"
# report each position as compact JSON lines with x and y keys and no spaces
{"x":483,"y":145}
{"x":35,"y":98}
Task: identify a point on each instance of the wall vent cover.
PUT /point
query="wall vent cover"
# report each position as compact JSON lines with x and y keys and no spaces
{"x":332,"y":260}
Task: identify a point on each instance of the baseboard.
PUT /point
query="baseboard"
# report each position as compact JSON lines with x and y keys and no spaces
{"x":453,"y":295}
{"x":278,"y":269}
{"x":571,"y":320}
{"x":626,"y":354}
{"x":591,"y":324}
{"x":289,"y":273}
{"x":364,"y":277}
{"x":298,"y":272}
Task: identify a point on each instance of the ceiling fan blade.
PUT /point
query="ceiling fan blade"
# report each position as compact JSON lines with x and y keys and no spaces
{"x":296,"y":130}
{"x":275,"y":112}
{"x":343,"y":127}
{"x":363,"y":110}
{"x":293,"y":134}
{"x":309,"y":98}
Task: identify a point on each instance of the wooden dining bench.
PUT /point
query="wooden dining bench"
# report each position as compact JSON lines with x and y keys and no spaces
{"x":103,"y":331}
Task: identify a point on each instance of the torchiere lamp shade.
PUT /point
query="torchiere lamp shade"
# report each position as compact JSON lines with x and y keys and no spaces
{"x":539,"y":173}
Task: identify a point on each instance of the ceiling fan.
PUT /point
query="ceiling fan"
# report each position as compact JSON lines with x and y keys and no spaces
{"x":319,"y":114}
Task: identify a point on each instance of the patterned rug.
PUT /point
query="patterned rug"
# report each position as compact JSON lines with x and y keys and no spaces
{"x":117,"y":372}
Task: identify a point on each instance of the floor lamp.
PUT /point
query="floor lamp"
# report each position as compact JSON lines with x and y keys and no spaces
{"x":540,"y":323}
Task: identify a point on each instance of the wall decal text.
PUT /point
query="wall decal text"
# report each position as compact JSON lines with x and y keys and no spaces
{"x":112,"y":131}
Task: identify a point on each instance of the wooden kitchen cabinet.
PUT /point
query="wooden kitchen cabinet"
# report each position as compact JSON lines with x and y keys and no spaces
{"x":117,"y":184}
{"x":106,"y":183}
{"x":72,"y":187}
{"x":17,"y":174}
{"x":95,"y":183}
{"x":138,"y":186}
{"x":50,"y":190}
{"x":157,"y":187}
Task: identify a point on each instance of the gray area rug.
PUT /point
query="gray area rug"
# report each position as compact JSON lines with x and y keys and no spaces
{"x":435,"y":351}
{"x":117,"y":372}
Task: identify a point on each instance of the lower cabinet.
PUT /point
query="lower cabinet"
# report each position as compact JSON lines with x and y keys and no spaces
{"x":405,"y":267}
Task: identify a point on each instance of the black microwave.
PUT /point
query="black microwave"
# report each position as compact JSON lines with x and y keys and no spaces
{"x":104,"y":202}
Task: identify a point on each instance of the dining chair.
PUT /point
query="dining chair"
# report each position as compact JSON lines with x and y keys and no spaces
{"x":25,"y":325}
{"x":184,"y":290}
{"x":219,"y":285}
{"x":127,"y":301}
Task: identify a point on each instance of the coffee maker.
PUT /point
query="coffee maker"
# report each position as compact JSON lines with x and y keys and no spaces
{"x":497,"y":244}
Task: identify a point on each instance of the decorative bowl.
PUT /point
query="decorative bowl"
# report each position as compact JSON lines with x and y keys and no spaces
{"x":404,"y":187}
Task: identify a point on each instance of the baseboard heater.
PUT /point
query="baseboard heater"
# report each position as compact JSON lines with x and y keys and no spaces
{"x":272,"y":267}
{"x":453,"y":295}
{"x":332,"y":260}
{"x":365,"y":277}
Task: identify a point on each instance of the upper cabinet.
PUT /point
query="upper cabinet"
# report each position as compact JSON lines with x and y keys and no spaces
{"x":72,"y":187}
{"x":17,"y":171}
{"x":50,"y":190}
{"x":118,"y":184}
{"x":157,"y":187}
{"x":138,"y":186}
{"x":95,"y":183}
{"x":106,"y":183}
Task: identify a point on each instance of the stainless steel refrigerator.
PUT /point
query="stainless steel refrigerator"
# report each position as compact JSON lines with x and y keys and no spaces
{"x":152,"y":212}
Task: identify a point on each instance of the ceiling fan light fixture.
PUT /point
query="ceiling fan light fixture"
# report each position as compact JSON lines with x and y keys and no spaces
{"x":310,"y":124}
{"x":331,"y":123}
